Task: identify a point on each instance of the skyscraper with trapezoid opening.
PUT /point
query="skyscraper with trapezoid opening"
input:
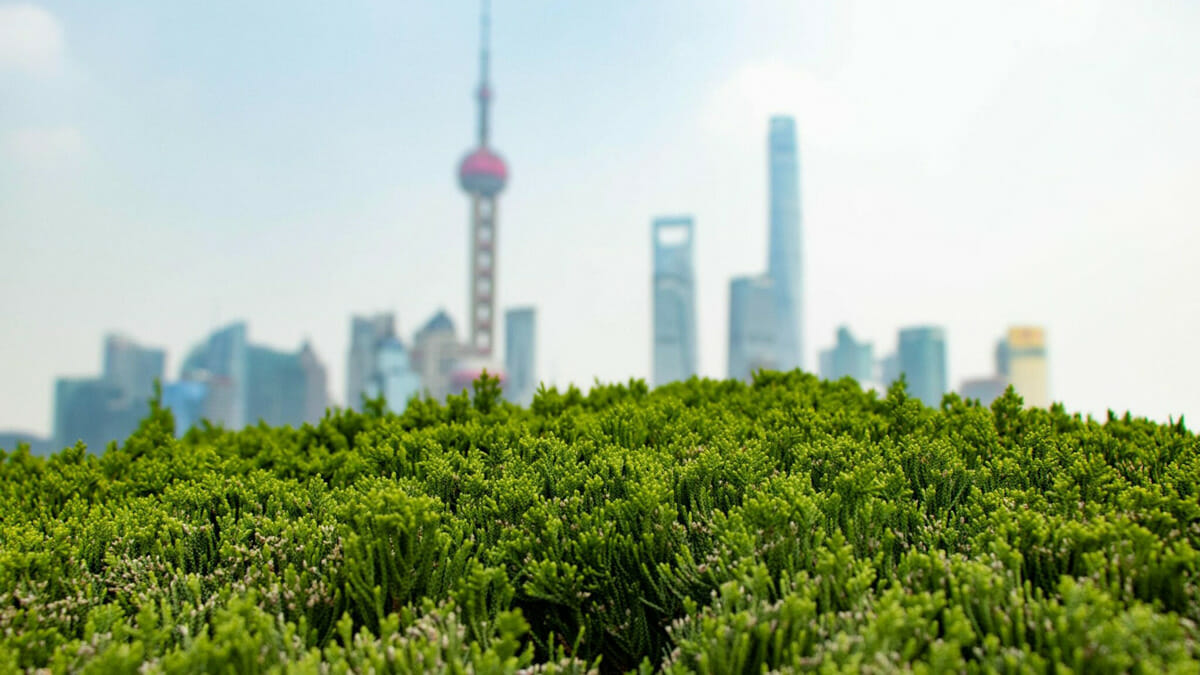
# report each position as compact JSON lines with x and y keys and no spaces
{"x":674,"y":300}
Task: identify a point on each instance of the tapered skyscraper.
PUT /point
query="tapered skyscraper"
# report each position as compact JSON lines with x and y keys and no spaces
{"x":482,"y":174}
{"x":784,"y":260}
{"x":674,"y":300}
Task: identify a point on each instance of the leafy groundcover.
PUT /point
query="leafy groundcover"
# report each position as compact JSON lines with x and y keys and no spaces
{"x":787,"y":525}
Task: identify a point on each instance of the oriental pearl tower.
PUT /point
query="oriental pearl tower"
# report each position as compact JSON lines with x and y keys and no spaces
{"x":482,"y":174}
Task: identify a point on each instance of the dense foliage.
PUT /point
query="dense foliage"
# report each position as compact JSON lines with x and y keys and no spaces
{"x":713,"y":527}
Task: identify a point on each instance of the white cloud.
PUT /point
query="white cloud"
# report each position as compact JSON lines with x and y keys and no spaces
{"x":46,"y":148}
{"x":31,"y":39}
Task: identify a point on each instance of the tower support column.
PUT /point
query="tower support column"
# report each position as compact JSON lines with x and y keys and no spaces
{"x":483,"y":273}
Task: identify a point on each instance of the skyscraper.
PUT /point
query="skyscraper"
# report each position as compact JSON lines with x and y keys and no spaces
{"x":849,"y":358}
{"x":276,"y":387}
{"x":983,"y":389}
{"x":132,"y":368}
{"x":751,"y":327}
{"x":221,"y":363}
{"x":366,"y":334}
{"x":107,"y":408}
{"x":435,"y":352}
{"x":674,"y":300}
{"x":240,"y":383}
{"x":93,"y":411}
{"x":186,"y":400}
{"x":394,"y":376}
{"x":922,"y":355}
{"x":784,"y":257}
{"x":1002,"y":357}
{"x":519,"y":354}
{"x":1026,"y":352}
{"x":889,"y":369}
{"x":988,"y":389}
{"x":316,"y":384}
{"x":483,"y":174}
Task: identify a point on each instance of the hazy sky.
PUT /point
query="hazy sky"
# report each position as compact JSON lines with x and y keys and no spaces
{"x":166,"y":166}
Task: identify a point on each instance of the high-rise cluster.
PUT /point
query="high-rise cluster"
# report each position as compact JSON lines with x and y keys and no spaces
{"x":921,"y":357}
{"x":97,"y":410}
{"x":766,"y":312}
{"x":379,"y":363}
{"x":225,"y":380}
{"x":1020,"y":362}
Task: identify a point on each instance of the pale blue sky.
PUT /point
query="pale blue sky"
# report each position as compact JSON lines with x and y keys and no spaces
{"x":168,"y":166}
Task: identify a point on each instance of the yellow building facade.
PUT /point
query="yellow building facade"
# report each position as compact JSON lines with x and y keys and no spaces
{"x":1027,"y":364}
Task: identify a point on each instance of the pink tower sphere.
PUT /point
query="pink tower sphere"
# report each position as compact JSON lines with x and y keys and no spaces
{"x":483,"y":172}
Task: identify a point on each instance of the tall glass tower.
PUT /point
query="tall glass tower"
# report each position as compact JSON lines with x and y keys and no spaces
{"x":674,"y":300}
{"x":519,"y":352}
{"x":922,"y":354}
{"x":784,"y":254}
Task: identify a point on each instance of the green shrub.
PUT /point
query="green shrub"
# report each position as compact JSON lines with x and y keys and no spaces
{"x":782,"y":526}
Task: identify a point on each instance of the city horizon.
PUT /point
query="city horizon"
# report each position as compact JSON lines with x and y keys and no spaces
{"x":973,"y":281}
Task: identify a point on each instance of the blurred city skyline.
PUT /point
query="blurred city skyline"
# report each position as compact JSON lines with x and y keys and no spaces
{"x":165,"y":170}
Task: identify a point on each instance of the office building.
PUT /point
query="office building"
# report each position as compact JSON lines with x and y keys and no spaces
{"x":922,"y":354}
{"x":519,"y":354}
{"x":186,"y":400}
{"x":241,"y":383}
{"x":435,"y":355}
{"x":316,"y":383}
{"x":1026,"y":356}
{"x":1002,"y":358}
{"x":93,"y":411}
{"x":785,"y":253}
{"x":131,"y":368}
{"x":848,"y":358}
{"x":367,"y":333}
{"x":889,"y":369}
{"x":751,"y":327}
{"x":988,"y":389}
{"x":221,"y":362}
{"x":1020,"y":362}
{"x":110,"y":407}
{"x":276,"y":387}
{"x":394,"y":377}
{"x":983,"y":389}
{"x":674,"y":300}
{"x":38,"y":446}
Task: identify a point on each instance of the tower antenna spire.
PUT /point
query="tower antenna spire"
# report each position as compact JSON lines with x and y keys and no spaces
{"x":482,"y":174}
{"x":485,"y":89}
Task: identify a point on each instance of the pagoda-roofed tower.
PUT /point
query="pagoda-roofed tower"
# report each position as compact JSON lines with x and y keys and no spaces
{"x":483,"y":174}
